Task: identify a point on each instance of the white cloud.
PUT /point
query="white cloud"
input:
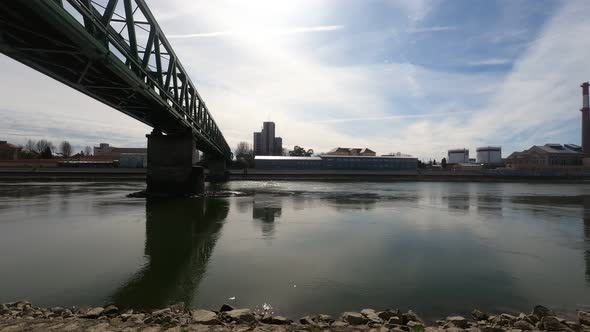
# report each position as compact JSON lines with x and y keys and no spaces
{"x":489,"y":62}
{"x":283,"y":31}
{"x":431,"y":29}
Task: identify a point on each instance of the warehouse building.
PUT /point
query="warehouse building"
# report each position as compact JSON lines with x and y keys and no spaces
{"x":337,"y":162}
{"x":547,"y":156}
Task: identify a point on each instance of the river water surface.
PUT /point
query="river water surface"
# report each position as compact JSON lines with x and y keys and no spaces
{"x":300,"y":247}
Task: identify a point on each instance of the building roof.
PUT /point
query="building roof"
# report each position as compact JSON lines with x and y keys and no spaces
{"x":5,"y":145}
{"x":489,"y":148}
{"x":458,"y":150}
{"x":550,"y":148}
{"x":350,"y":150}
{"x":285,"y":158}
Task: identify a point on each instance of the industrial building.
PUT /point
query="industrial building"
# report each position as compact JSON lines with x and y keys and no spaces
{"x":547,"y":156}
{"x":458,"y":156}
{"x":556,"y":155}
{"x":337,"y":162}
{"x":265,"y":142}
{"x":489,"y":155}
{"x":107,"y":151}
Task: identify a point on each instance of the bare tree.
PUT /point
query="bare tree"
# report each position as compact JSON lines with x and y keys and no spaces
{"x":42,"y":146}
{"x":244,"y":154}
{"x":243,"y":149}
{"x":66,"y":149}
{"x":31,"y":145}
{"x":87,"y":151}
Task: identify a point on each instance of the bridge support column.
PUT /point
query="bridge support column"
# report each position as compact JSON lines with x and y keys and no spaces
{"x":170,"y":169}
{"x":218,"y":171}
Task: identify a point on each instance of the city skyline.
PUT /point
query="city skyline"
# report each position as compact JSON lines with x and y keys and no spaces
{"x":391,"y":75}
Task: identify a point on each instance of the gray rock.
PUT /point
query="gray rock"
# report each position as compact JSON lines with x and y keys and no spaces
{"x":93,"y":313}
{"x":137,"y":318}
{"x":226,"y":307}
{"x":21,"y":304}
{"x":57,"y":310}
{"x":371,"y":316}
{"x":398,"y":327}
{"x":489,"y":328}
{"x":541,"y":311}
{"x":240,"y":315}
{"x":458,"y":321}
{"x":479,"y":315}
{"x":573,"y":325}
{"x":500,"y":320}
{"x":551,"y":323}
{"x":276,"y":320}
{"x":354,"y":318}
{"x":110,"y":310}
{"x":410,"y":316}
{"x":509,"y":317}
{"x":204,"y":317}
{"x":395,"y":320}
{"x":324,"y":319}
{"x":524,"y":325}
{"x":584,"y":317}
{"x":125,"y":317}
{"x":161,"y":312}
{"x":385,"y":315}
{"x":339,"y":324}
{"x":307,"y":321}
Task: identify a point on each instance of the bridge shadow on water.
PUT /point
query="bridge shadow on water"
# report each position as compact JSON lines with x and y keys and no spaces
{"x":180,"y":237}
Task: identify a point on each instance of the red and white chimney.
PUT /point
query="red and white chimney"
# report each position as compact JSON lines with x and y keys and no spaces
{"x":585,"y":120}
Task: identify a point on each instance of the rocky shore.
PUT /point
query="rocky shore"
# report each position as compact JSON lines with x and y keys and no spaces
{"x":23,"y":316}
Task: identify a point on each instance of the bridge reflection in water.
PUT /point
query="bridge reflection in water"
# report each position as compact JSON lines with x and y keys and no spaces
{"x":180,"y":237}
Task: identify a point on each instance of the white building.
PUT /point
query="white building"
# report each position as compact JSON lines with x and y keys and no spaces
{"x":457,"y":156}
{"x":489,"y":155}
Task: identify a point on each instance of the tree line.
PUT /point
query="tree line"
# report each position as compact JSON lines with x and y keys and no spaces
{"x":44,"y":149}
{"x":244,"y":154}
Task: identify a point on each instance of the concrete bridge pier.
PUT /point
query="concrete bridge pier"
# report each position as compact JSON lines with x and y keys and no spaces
{"x":170,"y":165}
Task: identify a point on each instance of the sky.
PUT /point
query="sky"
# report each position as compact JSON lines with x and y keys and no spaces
{"x":412,"y":76}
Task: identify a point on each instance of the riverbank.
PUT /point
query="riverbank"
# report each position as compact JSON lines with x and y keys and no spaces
{"x":23,"y":316}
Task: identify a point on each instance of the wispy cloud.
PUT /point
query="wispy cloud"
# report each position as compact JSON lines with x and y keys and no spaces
{"x":431,"y":29}
{"x":393,"y":117}
{"x":490,"y":62}
{"x":279,"y":31}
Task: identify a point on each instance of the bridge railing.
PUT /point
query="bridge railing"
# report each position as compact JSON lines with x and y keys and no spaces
{"x":130,"y":32}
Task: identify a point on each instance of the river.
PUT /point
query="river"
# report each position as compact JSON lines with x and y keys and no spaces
{"x":300,"y":247}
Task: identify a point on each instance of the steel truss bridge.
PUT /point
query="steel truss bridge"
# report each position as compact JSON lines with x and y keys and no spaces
{"x":115,"y":52}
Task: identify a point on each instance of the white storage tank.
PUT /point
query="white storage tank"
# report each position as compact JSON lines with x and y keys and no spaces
{"x":489,"y":155}
{"x":458,"y":156}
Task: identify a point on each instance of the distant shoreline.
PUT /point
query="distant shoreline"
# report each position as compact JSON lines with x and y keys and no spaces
{"x":139,"y":174}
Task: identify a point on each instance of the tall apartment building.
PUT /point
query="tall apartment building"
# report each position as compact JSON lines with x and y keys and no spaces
{"x":265,"y":142}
